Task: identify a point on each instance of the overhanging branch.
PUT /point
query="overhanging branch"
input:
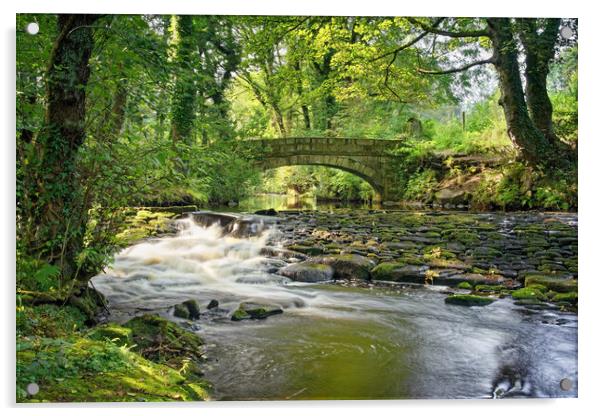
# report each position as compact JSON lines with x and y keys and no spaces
{"x":408,"y":44}
{"x":455,"y":70}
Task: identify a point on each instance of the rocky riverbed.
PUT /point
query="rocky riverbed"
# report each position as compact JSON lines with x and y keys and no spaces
{"x":488,"y":253}
{"x":365,"y":303}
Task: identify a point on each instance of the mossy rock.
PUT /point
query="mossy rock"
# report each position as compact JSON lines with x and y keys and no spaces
{"x":142,"y":224}
{"x":117,"y":334}
{"x":349,"y":266}
{"x":570,"y":297}
{"x":528,"y":293}
{"x":468,"y":300}
{"x":399,"y":272}
{"x":308,"y":250}
{"x":189,"y":309}
{"x":163,"y":341}
{"x":464,"y":285}
{"x":537,"y":286}
{"x":489,"y":288}
{"x":308,"y":271}
{"x":240,"y":315}
{"x":181,"y":311}
{"x":552,"y":283}
{"x":249,"y":310}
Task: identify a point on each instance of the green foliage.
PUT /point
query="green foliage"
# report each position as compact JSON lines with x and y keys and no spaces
{"x":516,"y":186}
{"x":421,"y":185}
{"x":50,"y":321}
{"x":484,"y":132}
{"x":36,"y":275}
{"x":564,"y":83}
{"x":340,"y":185}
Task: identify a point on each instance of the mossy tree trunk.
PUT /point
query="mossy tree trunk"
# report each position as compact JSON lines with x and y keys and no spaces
{"x":59,"y":216}
{"x":523,"y":131}
{"x":184,"y":98}
{"x":539,"y":46}
{"x":326,"y":108}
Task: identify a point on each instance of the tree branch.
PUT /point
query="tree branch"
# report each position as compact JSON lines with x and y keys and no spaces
{"x":455,"y":70}
{"x":408,"y":44}
{"x":460,"y":34}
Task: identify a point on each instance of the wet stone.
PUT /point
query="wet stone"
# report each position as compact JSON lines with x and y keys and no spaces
{"x":308,"y":271}
{"x":255,"y":311}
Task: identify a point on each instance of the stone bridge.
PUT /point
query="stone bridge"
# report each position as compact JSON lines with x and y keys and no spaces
{"x":370,"y":159}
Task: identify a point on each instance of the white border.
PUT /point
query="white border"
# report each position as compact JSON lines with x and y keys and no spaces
{"x":590,"y":232}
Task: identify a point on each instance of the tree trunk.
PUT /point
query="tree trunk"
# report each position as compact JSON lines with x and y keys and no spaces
{"x":539,"y":51}
{"x":531,"y":142}
{"x":115,"y":118}
{"x":325,"y":110}
{"x":183,"y":104}
{"x":299,"y":85}
{"x":59,"y":217}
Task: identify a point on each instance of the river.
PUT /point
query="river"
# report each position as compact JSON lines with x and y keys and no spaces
{"x":345,"y":341}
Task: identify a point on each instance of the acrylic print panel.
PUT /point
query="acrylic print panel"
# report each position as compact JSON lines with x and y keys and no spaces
{"x":293,"y":208}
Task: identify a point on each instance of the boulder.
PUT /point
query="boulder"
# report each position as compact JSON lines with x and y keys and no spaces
{"x":399,"y":272}
{"x":193,"y":308}
{"x":552,"y":283}
{"x":349,"y":266}
{"x":451,"y":196}
{"x":213,"y":304}
{"x":181,"y":311}
{"x":189,"y":309}
{"x":308,"y":271}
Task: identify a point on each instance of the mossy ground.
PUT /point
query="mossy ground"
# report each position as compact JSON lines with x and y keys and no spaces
{"x":71,"y":363}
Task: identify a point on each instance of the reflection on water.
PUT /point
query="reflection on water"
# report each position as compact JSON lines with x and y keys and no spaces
{"x":281,"y":202}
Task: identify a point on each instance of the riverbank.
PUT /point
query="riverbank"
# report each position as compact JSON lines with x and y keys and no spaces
{"x":146,"y":359}
{"x":74,"y":354}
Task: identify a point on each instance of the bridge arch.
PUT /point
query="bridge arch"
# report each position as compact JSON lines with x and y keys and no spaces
{"x":369,"y":159}
{"x":343,"y":163}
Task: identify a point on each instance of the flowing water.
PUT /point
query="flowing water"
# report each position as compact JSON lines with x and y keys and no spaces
{"x":336,"y":342}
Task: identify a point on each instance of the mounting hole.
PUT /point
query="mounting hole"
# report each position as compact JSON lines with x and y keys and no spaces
{"x":33,"y":389}
{"x":32,"y":28}
{"x":566,"y":384}
{"x":566,"y":32}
